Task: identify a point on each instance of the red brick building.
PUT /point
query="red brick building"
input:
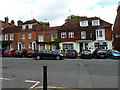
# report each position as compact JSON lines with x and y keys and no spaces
{"x":116,"y":30}
{"x":88,"y":33}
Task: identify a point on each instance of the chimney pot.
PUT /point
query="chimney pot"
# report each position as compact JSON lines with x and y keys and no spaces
{"x":19,"y":22}
{"x":6,"y":19}
{"x":12,"y":22}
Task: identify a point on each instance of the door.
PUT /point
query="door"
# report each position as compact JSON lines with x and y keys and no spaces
{"x":81,"y":47}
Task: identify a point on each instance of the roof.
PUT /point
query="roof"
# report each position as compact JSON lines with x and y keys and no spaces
{"x":74,"y":23}
{"x":13,"y":29}
{"x":31,"y":21}
{"x":6,"y":25}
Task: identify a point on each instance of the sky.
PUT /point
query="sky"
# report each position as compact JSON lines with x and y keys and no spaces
{"x":56,"y":11}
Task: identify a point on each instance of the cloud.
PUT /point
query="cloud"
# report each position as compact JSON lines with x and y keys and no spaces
{"x":56,"y":11}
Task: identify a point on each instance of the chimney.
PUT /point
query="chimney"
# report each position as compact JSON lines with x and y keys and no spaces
{"x":19,"y":22}
{"x":12,"y":22}
{"x":6,"y":19}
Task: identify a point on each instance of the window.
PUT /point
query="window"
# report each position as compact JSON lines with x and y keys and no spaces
{"x":68,"y":46}
{"x":53,"y":36}
{"x":63,"y":35}
{"x":100,"y":34}
{"x":30,"y":25}
{"x":23,"y":46}
{"x":83,"y":23}
{"x":71,"y":34}
{"x":11,"y":36}
{"x":11,"y":46}
{"x":23,"y":36}
{"x":83,"y":35}
{"x":95,"y":22}
{"x":30,"y":36}
{"x":40,"y":38}
{"x":30,"y":45}
{"x":23,"y":26}
{"x":6,"y":36}
{"x":1,"y":37}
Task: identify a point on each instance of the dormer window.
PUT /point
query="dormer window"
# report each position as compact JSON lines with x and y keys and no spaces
{"x":23,"y":26}
{"x":30,"y":26}
{"x":95,"y":22}
{"x":83,"y":23}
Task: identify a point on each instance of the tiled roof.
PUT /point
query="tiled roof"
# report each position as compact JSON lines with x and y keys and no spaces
{"x":5,"y":25}
{"x":31,"y":21}
{"x":14,"y":29}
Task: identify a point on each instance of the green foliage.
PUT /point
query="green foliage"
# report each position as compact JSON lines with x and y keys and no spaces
{"x":5,"y":43}
{"x":57,"y":41}
{"x":73,"y":16}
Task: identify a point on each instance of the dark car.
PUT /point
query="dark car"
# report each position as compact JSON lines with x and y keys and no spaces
{"x":9,"y":53}
{"x":86,"y":54}
{"x":98,"y":53}
{"x":48,"y":54}
{"x":20,"y":53}
{"x":71,"y":54}
{"x":30,"y":53}
{"x":114,"y":54}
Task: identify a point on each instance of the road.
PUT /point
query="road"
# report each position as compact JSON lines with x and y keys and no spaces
{"x":68,"y":73}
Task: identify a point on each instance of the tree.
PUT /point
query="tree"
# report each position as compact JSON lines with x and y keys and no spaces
{"x":73,"y":16}
{"x":57,"y":41}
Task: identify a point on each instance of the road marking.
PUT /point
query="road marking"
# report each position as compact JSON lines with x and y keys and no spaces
{"x":49,"y":87}
{"x":35,"y":83}
{"x":5,"y":79}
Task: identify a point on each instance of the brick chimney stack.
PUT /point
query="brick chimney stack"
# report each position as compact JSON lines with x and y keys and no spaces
{"x":6,"y":19}
{"x":19,"y":22}
{"x":12,"y":22}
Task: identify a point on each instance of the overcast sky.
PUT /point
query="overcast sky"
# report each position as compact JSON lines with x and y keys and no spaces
{"x":56,"y":11}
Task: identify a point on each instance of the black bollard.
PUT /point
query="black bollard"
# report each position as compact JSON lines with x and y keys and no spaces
{"x":44,"y":77}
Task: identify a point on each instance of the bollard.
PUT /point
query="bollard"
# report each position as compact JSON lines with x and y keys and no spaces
{"x":44,"y":77}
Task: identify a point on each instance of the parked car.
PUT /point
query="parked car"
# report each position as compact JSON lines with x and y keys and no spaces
{"x":30,"y":53}
{"x":49,"y":54}
{"x":71,"y":54}
{"x":59,"y":51}
{"x":99,"y":53}
{"x":86,"y":54}
{"x":20,"y":53}
{"x":9,"y":53}
{"x":114,"y":54}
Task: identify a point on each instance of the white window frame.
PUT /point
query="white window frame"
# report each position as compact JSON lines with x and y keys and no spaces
{"x":23,"y":36}
{"x":11,"y":36}
{"x":12,"y":46}
{"x":30,"y":26}
{"x":100,"y":36}
{"x":30,"y":45}
{"x":95,"y":22}
{"x":83,"y":34}
{"x":71,"y":34}
{"x":84,"y":23}
{"x":29,"y":35}
{"x":23,"y":45}
{"x":63,"y":35}
{"x":41,"y":38}
{"x":52,"y":38}
{"x":23,"y":26}
{"x":6,"y":36}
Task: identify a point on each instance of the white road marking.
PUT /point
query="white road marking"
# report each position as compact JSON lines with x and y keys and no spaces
{"x":31,"y":81}
{"x":5,"y":79}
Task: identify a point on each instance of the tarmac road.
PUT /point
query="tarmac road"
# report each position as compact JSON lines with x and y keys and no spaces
{"x":68,"y":73}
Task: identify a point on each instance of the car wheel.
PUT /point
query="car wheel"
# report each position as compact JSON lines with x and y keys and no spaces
{"x":58,"y":57}
{"x":38,"y":57}
{"x":10,"y":55}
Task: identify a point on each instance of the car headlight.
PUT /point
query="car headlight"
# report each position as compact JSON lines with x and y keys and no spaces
{"x":61,"y":54}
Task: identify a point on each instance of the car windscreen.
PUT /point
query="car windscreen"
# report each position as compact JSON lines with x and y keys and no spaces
{"x":102,"y":51}
{"x":30,"y":51}
{"x":115,"y":51}
{"x":18,"y":51}
{"x":87,"y":51}
{"x":6,"y":51}
{"x":71,"y":52}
